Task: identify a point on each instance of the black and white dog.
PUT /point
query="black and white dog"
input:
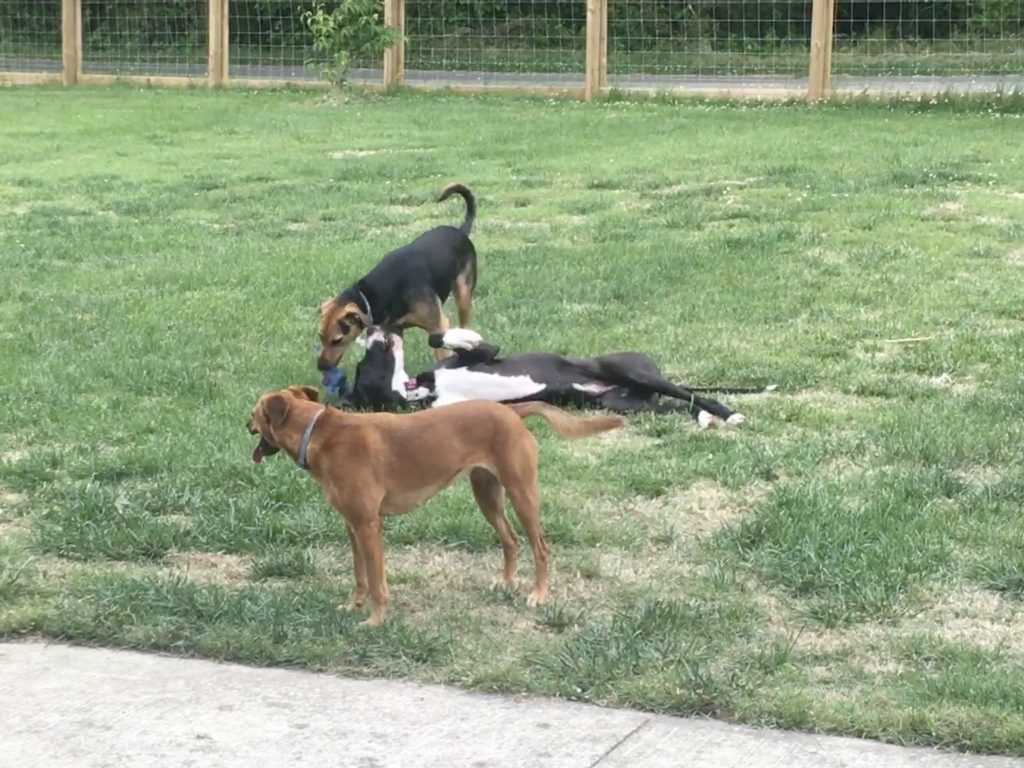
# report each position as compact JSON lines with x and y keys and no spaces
{"x":626,"y":382}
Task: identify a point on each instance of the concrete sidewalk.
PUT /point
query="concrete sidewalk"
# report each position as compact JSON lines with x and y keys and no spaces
{"x":64,"y":706}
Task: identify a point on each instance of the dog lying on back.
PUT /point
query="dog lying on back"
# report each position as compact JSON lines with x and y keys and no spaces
{"x":371,"y":466}
{"x":626,"y":382}
{"x":407,"y":288}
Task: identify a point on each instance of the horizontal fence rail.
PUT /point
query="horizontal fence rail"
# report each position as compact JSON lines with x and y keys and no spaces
{"x":739,"y":48}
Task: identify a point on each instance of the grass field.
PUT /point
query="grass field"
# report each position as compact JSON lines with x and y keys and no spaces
{"x":851,"y":560}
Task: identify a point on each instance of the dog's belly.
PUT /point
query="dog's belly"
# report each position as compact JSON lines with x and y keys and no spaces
{"x":453,"y":385}
{"x":400,"y":502}
{"x":593,"y":387}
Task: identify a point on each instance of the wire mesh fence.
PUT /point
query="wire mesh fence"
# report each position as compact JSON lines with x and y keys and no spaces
{"x":677,"y":44}
{"x":30,"y":36}
{"x":528,"y":42}
{"x":145,"y":37}
{"x":945,"y":38}
{"x":269,"y":39}
{"x":664,"y":40}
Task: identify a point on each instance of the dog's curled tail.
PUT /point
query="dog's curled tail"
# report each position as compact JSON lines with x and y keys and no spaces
{"x":565,"y":424}
{"x":458,"y":189}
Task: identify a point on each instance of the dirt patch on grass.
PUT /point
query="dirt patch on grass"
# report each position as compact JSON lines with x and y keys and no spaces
{"x":979,"y":476}
{"x":695,"y":511}
{"x":595,"y":450}
{"x":993,"y":221}
{"x":403,"y":210}
{"x":945,"y":211}
{"x":537,"y":228}
{"x":968,"y":615}
{"x":342,"y":154}
{"x":831,"y":400}
{"x":711,"y":186}
{"x":10,"y":499}
{"x":210,"y":567}
{"x":979,"y":617}
{"x":434,"y":570}
{"x":703,"y":508}
{"x":1016,"y":256}
{"x":11,"y":527}
{"x":946,"y":381}
{"x":13,"y":456}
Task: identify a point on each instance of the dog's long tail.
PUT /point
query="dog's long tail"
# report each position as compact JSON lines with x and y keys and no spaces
{"x":735,"y":390}
{"x":458,"y":189}
{"x":565,"y":424}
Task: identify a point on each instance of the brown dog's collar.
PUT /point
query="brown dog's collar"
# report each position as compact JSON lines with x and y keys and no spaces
{"x":304,"y":445}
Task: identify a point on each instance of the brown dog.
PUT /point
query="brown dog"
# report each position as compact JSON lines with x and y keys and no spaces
{"x":372,"y":465}
{"x":407,"y":288}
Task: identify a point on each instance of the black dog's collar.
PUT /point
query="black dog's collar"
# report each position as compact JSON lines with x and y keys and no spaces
{"x":304,"y":445}
{"x":369,"y":309}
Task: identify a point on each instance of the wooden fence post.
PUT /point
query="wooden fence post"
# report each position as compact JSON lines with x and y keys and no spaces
{"x":820,"y":74}
{"x":217,"y":43}
{"x":394,"y":57}
{"x":71,"y":40}
{"x":596,"y":67}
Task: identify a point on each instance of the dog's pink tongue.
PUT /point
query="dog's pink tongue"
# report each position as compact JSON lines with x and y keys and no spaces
{"x":257,"y":454}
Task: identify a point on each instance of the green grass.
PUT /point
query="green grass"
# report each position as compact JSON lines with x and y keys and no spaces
{"x":848,"y":561}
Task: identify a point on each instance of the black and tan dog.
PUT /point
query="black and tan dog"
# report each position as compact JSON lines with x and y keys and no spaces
{"x":407,"y":288}
{"x":374,"y":465}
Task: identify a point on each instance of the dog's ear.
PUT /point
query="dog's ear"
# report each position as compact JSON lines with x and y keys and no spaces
{"x":309,"y":393}
{"x":325,"y":306}
{"x":275,"y":408}
{"x":354,"y":317}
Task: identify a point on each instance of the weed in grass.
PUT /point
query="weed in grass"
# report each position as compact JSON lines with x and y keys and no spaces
{"x":558,"y":617}
{"x":15,"y":572}
{"x":279,"y":563}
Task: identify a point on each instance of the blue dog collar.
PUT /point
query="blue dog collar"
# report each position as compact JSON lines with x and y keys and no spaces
{"x":304,"y":445}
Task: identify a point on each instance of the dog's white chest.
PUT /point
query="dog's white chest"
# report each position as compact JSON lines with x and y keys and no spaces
{"x":457,"y":384}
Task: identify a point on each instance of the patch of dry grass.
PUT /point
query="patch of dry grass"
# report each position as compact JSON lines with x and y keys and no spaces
{"x":209,"y":567}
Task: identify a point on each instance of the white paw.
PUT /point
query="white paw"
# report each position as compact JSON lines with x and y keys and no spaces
{"x":736,"y":418}
{"x":414,"y":396}
{"x":771,"y":388}
{"x":705,"y":419}
{"x":462,"y":338}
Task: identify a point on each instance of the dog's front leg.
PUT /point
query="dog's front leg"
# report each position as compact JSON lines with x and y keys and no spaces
{"x":359,"y":567}
{"x":367,"y":531}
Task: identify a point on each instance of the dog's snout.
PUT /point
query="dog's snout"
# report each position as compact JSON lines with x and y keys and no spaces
{"x":322,"y":364}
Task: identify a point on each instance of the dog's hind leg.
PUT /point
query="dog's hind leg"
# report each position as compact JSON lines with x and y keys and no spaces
{"x":622,"y":400}
{"x":490,"y":497}
{"x":462,"y":290}
{"x":519,"y":476}
{"x":650,"y":378}
{"x":428,"y":314}
{"x":442,"y":326}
